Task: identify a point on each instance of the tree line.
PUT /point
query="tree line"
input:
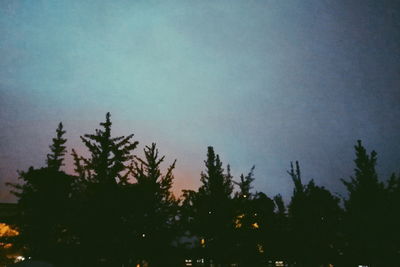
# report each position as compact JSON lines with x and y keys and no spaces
{"x":118,"y":210}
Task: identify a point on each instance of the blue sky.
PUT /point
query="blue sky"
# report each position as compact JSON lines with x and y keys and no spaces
{"x":264,"y":82}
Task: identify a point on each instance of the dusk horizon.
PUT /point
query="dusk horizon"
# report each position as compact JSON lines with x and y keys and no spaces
{"x":264,"y":83}
{"x":199,"y":133}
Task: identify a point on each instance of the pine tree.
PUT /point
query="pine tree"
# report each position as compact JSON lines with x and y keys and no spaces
{"x":215,"y":184}
{"x":44,"y":204}
{"x":364,"y":188}
{"x":392,"y":219}
{"x":252,"y":222}
{"x":212,"y":210}
{"x":55,"y":159}
{"x":364,"y":211}
{"x":314,"y":216}
{"x":295,"y":174}
{"x":245,"y":184}
{"x":99,"y":189}
{"x":155,"y":224}
{"x":109,"y":156}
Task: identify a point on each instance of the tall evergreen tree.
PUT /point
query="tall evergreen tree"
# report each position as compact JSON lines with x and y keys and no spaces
{"x":215,"y":184}
{"x":109,"y":156}
{"x":99,"y":201}
{"x":44,"y":204}
{"x":58,"y":149}
{"x":245,"y":184}
{"x":155,"y":225}
{"x":364,"y":210}
{"x":253,"y":216}
{"x":314,"y":216}
{"x":392,"y":220}
{"x":211,"y":210}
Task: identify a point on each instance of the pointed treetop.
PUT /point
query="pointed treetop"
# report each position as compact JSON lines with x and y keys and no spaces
{"x":280,"y":204}
{"x":364,"y":187}
{"x":215,"y":182}
{"x":245,"y":183}
{"x":147,"y":172}
{"x":365,"y":173}
{"x":296,"y":177}
{"x":56,"y":157}
{"x":108,"y":155}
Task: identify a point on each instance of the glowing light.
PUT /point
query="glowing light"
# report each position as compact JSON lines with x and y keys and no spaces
{"x":188,"y":262}
{"x":143,"y":235}
{"x":255,"y":225}
{"x":202,"y":242}
{"x":238,"y":222}
{"x":279,"y":263}
{"x":19,"y":259}
{"x":260,"y":248}
{"x":6,"y":230}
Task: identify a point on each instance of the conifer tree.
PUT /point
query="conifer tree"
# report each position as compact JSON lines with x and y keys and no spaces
{"x":364,"y":210}
{"x":44,"y":204}
{"x":295,"y":174}
{"x":109,"y":156}
{"x":55,"y":159}
{"x":155,"y":223}
{"x":245,"y":184}
{"x":215,"y":184}
{"x":100,"y":196}
{"x":211,"y":210}
{"x":392,"y":219}
{"x":314,"y":216}
{"x":253,"y":220}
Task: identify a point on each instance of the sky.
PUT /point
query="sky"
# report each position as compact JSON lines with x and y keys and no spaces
{"x":264,"y":82}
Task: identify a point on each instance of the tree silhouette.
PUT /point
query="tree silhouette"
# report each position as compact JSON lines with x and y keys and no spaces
{"x":392,"y":220}
{"x":58,"y":149}
{"x":253,"y":218}
{"x":210,"y":210}
{"x":109,"y":157}
{"x":278,"y":241}
{"x":364,"y":210}
{"x":245,"y":184}
{"x":314,"y":216}
{"x":100,"y":206}
{"x":119,"y":211}
{"x":280,"y":204}
{"x":44,"y":205}
{"x":155,"y":226}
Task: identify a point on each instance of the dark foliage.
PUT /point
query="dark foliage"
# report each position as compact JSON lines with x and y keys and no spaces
{"x":314,"y":216}
{"x":119,"y":210}
{"x":209,"y":211}
{"x":58,"y":149}
{"x":365,"y":209}
{"x":44,"y":206}
{"x":155,"y":222}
